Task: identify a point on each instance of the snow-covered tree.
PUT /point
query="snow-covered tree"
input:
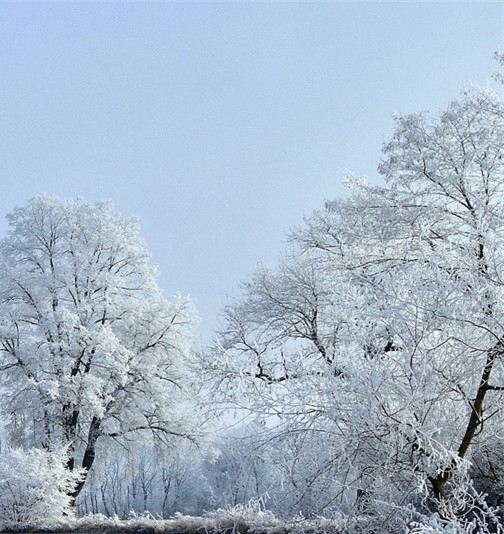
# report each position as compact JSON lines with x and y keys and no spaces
{"x":142,"y":481}
{"x":35,"y":488}
{"x":381,"y":334}
{"x":90,"y":350}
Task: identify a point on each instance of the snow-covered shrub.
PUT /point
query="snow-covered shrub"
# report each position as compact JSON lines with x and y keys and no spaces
{"x":478,"y":519}
{"x":242,"y":517}
{"x":34,"y":488}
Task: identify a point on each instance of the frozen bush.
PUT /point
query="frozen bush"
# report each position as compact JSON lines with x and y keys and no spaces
{"x":35,"y":488}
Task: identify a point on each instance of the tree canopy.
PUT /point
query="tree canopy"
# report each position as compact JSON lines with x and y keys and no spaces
{"x":90,"y":350}
{"x":380,"y":335}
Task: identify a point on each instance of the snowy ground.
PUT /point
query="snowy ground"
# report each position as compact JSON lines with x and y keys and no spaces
{"x":237,"y":520}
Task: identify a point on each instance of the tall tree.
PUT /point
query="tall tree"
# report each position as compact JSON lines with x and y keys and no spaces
{"x":383,"y":331}
{"x":90,"y":349}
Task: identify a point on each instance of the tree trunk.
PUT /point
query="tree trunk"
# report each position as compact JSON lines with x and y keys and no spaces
{"x":89,"y":456}
{"x":440,"y":502}
{"x":439,"y":482}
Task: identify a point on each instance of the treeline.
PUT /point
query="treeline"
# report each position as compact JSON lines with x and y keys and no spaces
{"x":239,"y":468}
{"x":289,"y":477}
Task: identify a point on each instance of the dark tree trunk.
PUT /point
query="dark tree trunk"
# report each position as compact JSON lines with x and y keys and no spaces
{"x":89,"y":455}
{"x":70,"y":420}
{"x":473,"y":427}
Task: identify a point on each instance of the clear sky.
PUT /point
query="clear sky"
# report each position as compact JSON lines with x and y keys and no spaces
{"x":220,"y":124}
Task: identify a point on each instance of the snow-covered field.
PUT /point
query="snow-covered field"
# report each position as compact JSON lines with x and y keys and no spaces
{"x":238,"y":520}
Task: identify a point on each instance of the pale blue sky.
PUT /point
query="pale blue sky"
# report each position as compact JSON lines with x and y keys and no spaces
{"x":220,"y":124}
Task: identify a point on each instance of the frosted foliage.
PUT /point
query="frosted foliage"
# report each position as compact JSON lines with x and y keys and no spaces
{"x":380,"y":336}
{"x":34,"y":488}
{"x":90,"y":349}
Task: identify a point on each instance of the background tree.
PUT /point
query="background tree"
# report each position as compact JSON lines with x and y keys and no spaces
{"x":141,"y":479}
{"x":90,"y":349}
{"x":380,"y":336}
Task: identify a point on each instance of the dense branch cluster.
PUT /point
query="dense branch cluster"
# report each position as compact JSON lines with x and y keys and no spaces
{"x":380,"y":334}
{"x":90,"y":349}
